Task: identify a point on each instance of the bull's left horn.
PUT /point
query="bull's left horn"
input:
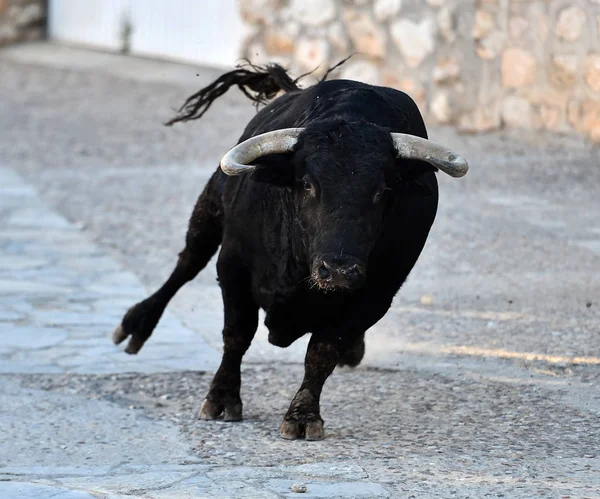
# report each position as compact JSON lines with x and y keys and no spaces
{"x":412,"y":147}
{"x":239,"y":159}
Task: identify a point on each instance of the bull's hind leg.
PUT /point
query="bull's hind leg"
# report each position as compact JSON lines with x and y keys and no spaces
{"x":202,"y":241}
{"x":241,"y":321}
{"x":354,"y":355}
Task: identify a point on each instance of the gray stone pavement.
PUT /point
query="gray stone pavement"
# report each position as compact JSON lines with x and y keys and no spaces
{"x":482,"y":381}
{"x":61,"y":293}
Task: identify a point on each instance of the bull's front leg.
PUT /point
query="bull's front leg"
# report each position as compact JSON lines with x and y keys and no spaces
{"x":241,"y":321}
{"x":303,"y":418}
{"x":343,"y":344}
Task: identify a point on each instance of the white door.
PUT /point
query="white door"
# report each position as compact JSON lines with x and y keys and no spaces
{"x":208,"y":32}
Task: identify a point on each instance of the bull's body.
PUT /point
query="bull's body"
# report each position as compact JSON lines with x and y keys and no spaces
{"x":325,"y":260}
{"x":261,"y":230}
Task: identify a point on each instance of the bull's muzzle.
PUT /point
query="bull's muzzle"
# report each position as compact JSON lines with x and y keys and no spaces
{"x":337,"y":272}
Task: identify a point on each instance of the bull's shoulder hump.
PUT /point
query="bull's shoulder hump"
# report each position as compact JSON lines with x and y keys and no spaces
{"x":353,"y":86}
{"x":335,"y":97}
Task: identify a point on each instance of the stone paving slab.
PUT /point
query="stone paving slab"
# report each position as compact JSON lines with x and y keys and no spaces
{"x":61,"y":297}
{"x":24,"y":490}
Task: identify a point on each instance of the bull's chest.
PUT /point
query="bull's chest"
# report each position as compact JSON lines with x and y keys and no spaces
{"x":271,"y":285}
{"x":288,"y":317}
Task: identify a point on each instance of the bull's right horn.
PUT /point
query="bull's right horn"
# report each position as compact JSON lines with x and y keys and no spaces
{"x":412,"y":147}
{"x":239,"y":159}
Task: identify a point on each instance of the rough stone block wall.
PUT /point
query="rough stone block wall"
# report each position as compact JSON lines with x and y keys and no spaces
{"x":22,"y":20}
{"x":476,"y":64}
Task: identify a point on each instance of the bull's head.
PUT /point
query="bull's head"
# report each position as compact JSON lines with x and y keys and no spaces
{"x":340,"y":175}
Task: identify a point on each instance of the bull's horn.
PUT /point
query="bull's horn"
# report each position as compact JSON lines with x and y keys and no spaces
{"x":411,"y":147}
{"x":239,"y":159}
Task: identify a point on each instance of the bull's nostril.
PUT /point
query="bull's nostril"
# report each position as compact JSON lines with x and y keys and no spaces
{"x":355,"y":273}
{"x":324,"y":272}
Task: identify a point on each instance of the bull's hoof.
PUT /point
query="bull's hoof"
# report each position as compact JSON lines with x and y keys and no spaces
{"x":310,"y":430}
{"x":135,"y":344}
{"x":232,"y":412}
{"x":212,"y":410}
{"x":138,"y":324}
{"x":314,"y":430}
{"x":119,"y":335}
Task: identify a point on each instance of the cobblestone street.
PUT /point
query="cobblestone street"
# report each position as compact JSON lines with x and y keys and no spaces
{"x":482,"y":380}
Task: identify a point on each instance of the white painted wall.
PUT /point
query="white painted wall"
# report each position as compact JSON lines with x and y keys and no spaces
{"x":200,"y":31}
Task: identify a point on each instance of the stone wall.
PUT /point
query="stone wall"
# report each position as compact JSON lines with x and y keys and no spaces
{"x":476,"y":64}
{"x":22,"y":20}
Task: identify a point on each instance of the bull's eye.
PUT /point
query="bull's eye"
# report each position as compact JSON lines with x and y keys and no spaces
{"x":379,"y":196}
{"x":307,"y":186}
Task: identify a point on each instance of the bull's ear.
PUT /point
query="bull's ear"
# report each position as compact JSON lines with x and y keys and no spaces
{"x":275,"y":169}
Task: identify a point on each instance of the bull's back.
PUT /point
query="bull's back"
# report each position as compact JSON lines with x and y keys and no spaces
{"x":346,"y":99}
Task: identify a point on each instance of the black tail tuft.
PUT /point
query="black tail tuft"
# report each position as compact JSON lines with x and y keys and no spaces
{"x":259,"y":84}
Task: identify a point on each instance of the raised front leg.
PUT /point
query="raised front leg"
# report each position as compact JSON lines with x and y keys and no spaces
{"x":241,"y":321}
{"x":303,"y":418}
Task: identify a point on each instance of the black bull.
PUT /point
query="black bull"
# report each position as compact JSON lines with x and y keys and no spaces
{"x":321,"y":236}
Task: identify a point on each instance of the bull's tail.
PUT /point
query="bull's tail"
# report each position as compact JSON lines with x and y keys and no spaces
{"x":258,"y":83}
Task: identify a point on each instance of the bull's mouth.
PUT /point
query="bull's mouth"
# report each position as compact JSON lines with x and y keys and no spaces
{"x":328,"y":287}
